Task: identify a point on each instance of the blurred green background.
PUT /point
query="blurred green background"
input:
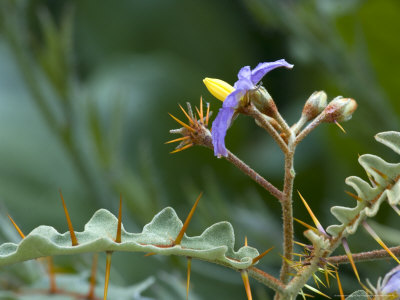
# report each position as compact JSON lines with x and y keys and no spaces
{"x":85,"y":87}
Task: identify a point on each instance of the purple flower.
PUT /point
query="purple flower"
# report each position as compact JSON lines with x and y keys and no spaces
{"x":248,"y":80}
{"x":391,"y":282}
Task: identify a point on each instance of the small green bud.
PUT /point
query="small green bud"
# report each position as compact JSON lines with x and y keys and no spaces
{"x":340,"y":109}
{"x":262,"y":100}
{"x":315,"y":105}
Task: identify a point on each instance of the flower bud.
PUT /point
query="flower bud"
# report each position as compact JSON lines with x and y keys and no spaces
{"x":315,"y":105}
{"x":262,"y":100}
{"x":340,"y":109}
{"x":218,"y":88}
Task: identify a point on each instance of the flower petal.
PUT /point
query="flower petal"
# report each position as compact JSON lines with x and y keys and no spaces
{"x":263,"y":68}
{"x":223,"y":121}
{"x":392,"y":284}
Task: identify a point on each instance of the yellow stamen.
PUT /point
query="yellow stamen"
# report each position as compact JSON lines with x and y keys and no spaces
{"x":340,"y":286}
{"x":189,"y":266}
{"x":187,"y":116}
{"x":187,"y":221}
{"x":379,"y":241}
{"x":182,"y":148}
{"x":181,"y":123}
{"x":313,"y":217}
{"x":91,"y":294}
{"x":245,"y":277}
{"x":17,"y":228}
{"x":218,"y":88}
{"x":340,"y":126}
{"x":256,"y":259}
{"x":108,"y":267}
{"x":74,"y":241}
{"x":353,"y":195}
{"x":118,"y":237}
{"x":178,"y":139}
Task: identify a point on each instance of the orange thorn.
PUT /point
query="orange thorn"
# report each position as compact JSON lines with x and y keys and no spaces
{"x":201,"y":115}
{"x":245,"y":277}
{"x":187,"y":221}
{"x":353,"y":195}
{"x":340,"y":126}
{"x":384,"y":176}
{"x":189,"y":266}
{"x":256,"y":259}
{"x":108,"y":267}
{"x":91,"y":294}
{"x":178,"y":139}
{"x":306,"y":225}
{"x":52,"y":277}
{"x":350,"y":257}
{"x":208,"y":113}
{"x":17,"y":228}
{"x":340,"y":286}
{"x":150,"y":254}
{"x":245,"y":241}
{"x":187,"y":116}
{"x":181,"y":123}
{"x":313,"y":217}
{"x":379,"y":241}
{"x":327,"y":277}
{"x":71,"y":229}
{"x":118,"y":238}
{"x":182,"y":148}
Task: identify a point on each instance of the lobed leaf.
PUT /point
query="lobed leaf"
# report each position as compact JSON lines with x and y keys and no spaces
{"x":215,"y":244}
{"x":384,"y":185}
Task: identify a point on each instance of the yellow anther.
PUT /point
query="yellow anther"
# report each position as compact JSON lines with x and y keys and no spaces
{"x":218,"y":88}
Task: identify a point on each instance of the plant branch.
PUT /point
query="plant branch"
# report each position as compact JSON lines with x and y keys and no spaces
{"x":287,"y":213}
{"x":252,"y":111}
{"x":237,"y":162}
{"x":365,"y":256}
{"x":310,"y":127}
{"x":266,"y":279}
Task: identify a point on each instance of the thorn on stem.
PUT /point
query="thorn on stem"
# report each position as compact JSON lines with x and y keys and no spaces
{"x":108,"y":267}
{"x":91,"y":295}
{"x":21,"y":234}
{"x":74,"y":241}
{"x":245,"y":277}
{"x":187,"y":221}
{"x":118,"y":237}
{"x":256,"y":259}
{"x":350,"y":257}
{"x":340,"y":286}
{"x":314,"y":218}
{"x":379,"y":241}
{"x":189,"y":266}
{"x":340,"y":126}
{"x":52,"y":277}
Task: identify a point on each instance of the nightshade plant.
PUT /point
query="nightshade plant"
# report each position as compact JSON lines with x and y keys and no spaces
{"x":165,"y":234}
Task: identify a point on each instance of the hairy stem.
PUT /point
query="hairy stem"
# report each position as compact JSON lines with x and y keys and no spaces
{"x":365,"y":256}
{"x":287,"y":213}
{"x":252,"y":111}
{"x":310,"y":127}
